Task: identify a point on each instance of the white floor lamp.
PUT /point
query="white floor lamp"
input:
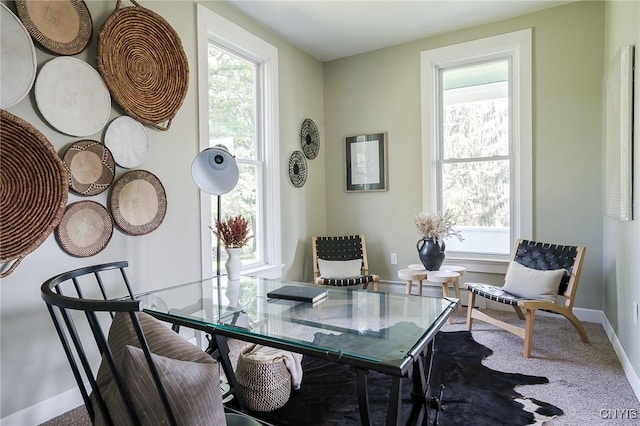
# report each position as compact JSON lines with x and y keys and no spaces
{"x":215,"y":172}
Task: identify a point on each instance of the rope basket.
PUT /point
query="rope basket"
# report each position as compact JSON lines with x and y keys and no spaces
{"x":265,"y":385}
{"x":143,"y":63}
{"x":33,"y":188}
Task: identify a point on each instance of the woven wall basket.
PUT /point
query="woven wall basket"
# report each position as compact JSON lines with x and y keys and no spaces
{"x":34,"y":188}
{"x":63,"y":27}
{"x":265,"y":385}
{"x":143,"y":63}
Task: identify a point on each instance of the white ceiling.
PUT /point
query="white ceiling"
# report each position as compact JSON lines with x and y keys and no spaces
{"x":329,"y":30}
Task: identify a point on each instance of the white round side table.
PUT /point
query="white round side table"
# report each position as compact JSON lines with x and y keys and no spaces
{"x":448,"y":274}
{"x":410,"y":275}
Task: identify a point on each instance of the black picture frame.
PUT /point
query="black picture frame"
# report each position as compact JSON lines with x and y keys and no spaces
{"x":366,"y":162}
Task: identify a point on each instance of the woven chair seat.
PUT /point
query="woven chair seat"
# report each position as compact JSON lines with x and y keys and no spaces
{"x":343,"y":282}
{"x":494,"y":293}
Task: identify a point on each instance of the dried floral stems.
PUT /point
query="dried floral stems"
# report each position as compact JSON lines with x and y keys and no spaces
{"x":436,"y":226}
{"x":232,"y":231}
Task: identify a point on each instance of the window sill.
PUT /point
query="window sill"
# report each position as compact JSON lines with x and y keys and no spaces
{"x":475,"y":264}
{"x":264,"y":271}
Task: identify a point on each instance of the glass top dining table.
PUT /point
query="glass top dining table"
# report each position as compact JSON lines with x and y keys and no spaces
{"x":385,"y":332}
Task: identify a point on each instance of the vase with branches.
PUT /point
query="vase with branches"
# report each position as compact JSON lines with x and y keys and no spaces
{"x":233,"y":232}
{"x":433,"y":229}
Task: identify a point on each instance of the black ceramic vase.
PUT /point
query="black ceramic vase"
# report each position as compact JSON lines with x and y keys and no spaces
{"x":431,"y":253}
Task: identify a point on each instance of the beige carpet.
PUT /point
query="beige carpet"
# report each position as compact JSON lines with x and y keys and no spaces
{"x":585,"y":380}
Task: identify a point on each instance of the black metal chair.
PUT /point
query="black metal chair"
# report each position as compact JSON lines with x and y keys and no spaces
{"x":340,"y":249}
{"x":148,"y":373}
{"x":540,"y":257}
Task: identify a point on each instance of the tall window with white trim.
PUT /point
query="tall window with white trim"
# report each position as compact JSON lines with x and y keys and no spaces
{"x":477,"y":141}
{"x":238,"y":90}
{"x":234,"y":106}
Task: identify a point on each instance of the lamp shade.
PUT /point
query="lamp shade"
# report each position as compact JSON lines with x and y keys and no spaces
{"x":215,"y":170}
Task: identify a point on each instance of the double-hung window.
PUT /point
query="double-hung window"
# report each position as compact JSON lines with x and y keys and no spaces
{"x":476,"y":118}
{"x":238,"y":90}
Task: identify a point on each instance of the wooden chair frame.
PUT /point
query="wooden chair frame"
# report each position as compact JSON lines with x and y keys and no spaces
{"x":529,"y":306}
{"x":355,"y":247}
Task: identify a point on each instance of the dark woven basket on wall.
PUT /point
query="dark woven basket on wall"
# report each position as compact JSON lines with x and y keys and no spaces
{"x":33,"y":190}
{"x":142,"y":61}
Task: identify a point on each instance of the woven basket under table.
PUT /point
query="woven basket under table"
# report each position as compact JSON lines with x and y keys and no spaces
{"x":265,"y":385}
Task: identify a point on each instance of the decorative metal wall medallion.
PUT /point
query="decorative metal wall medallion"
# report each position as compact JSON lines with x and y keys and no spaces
{"x":297,"y":169}
{"x":309,"y":139}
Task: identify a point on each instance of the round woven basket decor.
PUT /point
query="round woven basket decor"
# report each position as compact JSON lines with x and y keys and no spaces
{"x":138,"y":202}
{"x":85,"y":229}
{"x":63,"y":27}
{"x":34,"y":188}
{"x":90,"y":166}
{"x":143,"y":63}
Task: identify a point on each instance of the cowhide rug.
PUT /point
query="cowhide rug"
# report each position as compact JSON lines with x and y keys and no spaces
{"x":473,"y":394}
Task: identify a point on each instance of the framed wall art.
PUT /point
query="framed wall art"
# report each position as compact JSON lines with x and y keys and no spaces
{"x":366,"y":162}
{"x":619,"y":136}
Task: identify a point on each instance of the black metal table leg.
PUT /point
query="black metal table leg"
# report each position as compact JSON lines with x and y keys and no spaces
{"x":419,"y":393}
{"x":363,"y":396}
{"x":219,"y":349}
{"x":395,"y":400}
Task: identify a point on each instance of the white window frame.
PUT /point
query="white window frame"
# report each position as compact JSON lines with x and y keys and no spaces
{"x":517,"y":46}
{"x":213,"y":27}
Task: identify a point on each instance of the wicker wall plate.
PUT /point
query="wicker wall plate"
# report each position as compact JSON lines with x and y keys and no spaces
{"x":72,"y":97}
{"x":127,"y":141}
{"x":63,"y":27}
{"x":141,"y":58}
{"x":34,"y":188}
{"x":85,"y":229}
{"x":17,"y":59}
{"x":138,"y":202}
{"x":90,"y":166}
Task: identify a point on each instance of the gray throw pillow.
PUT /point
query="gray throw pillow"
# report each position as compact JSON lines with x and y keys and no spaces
{"x":189,"y":375}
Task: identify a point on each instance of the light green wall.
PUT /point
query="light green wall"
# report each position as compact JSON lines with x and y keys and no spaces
{"x":380,"y":91}
{"x":370,"y":92}
{"x":32,"y":363}
{"x":621,"y":265}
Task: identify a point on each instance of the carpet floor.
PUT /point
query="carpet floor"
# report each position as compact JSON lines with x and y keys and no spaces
{"x":586,"y":381}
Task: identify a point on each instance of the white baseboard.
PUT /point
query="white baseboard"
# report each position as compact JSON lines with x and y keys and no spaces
{"x":45,"y":410}
{"x":632,"y":375}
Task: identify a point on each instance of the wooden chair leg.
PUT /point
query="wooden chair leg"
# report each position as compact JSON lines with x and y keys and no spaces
{"x":528,"y":332}
{"x":408,"y":290}
{"x":578,"y":326}
{"x":519,"y":312}
{"x":470,"y":305}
